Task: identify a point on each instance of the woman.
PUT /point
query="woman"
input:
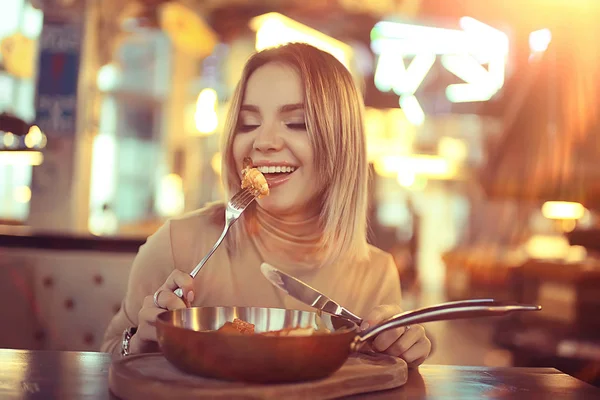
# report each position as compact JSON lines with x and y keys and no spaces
{"x":295,"y":107}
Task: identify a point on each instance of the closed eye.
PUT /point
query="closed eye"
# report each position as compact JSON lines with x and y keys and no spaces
{"x":299,"y":126}
{"x":244,"y":128}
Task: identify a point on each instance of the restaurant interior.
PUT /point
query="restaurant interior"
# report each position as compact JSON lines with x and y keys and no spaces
{"x":481,"y":121}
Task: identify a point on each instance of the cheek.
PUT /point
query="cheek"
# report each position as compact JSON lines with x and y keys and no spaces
{"x":302,"y":150}
{"x":241,"y":147}
{"x":314,"y":185}
{"x":308,"y":164}
{"x":309,"y":186}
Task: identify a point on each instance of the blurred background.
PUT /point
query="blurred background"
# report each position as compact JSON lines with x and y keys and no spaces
{"x":482,"y":123}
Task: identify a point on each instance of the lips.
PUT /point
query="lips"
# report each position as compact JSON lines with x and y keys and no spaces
{"x":277,"y":178}
{"x":272,"y":169}
{"x":275,"y":172}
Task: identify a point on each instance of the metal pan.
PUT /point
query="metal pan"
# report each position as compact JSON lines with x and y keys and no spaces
{"x":189,"y":340}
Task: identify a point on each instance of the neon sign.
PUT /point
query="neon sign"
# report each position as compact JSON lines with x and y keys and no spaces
{"x":463,"y":53}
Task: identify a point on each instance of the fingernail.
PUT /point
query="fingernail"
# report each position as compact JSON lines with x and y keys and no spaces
{"x":190,"y":296}
{"x":364,"y":326}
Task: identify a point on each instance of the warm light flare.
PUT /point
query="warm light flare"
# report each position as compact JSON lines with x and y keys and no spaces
{"x":9,"y":139}
{"x":453,"y":149}
{"x":427,"y":165}
{"x":539,"y":40}
{"x":171,"y":200}
{"x":388,"y":133}
{"x":22,"y":194}
{"x":35,"y":138}
{"x":562,"y":210}
{"x":21,"y":157}
{"x":215,"y":163}
{"x":406,"y":178}
{"x":274,"y":29}
{"x":206,"y":117}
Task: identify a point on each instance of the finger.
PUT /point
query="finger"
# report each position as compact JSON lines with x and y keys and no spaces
{"x":149,"y":311}
{"x":366,"y":347}
{"x":168,"y":300}
{"x":179,"y":279}
{"x":418,"y":352}
{"x":386,"y":339}
{"x":379,"y":314}
{"x":146,"y":317}
{"x":406,"y":340}
{"x":146,"y":332}
{"x":416,"y":363}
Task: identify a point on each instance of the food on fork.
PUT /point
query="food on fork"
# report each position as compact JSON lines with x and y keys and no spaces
{"x":254,"y":179}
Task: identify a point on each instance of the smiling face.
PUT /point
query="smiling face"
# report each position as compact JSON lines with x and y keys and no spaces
{"x":322,"y":145}
{"x":272,"y":131}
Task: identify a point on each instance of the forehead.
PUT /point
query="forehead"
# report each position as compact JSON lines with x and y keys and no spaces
{"x":273,"y":85}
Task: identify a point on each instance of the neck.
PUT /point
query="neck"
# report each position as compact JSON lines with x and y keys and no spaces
{"x":289,"y":226}
{"x":288,"y":242}
{"x":292,"y":217}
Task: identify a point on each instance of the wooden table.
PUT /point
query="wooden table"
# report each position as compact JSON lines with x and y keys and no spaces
{"x":81,"y":375}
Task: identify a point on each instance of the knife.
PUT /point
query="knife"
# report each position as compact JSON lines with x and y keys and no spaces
{"x":312,"y":297}
{"x":306,"y":294}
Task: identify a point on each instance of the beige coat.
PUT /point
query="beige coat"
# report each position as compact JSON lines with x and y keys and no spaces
{"x":235,"y":279}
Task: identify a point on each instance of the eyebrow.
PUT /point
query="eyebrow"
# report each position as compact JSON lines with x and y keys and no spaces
{"x":249,"y":107}
{"x":291,"y":107}
{"x":284,"y":108}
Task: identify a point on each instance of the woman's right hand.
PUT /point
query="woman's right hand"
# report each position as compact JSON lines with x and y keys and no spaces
{"x":167,"y":300}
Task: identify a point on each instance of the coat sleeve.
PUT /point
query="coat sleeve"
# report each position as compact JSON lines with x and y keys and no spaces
{"x":151,"y":267}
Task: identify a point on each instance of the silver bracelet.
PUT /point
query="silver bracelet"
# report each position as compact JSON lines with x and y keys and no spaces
{"x":127,"y":335}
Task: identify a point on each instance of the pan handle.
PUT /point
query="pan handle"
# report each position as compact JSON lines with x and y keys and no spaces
{"x":344,"y":313}
{"x":441,"y":313}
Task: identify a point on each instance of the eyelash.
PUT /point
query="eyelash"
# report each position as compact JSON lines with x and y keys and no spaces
{"x":299,"y":126}
{"x":247,"y":128}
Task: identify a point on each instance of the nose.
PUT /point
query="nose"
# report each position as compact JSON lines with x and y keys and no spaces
{"x":268,"y":139}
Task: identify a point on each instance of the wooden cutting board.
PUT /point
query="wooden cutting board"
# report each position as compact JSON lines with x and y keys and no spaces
{"x":151,"y":376}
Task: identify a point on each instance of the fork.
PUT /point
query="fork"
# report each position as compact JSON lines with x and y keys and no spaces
{"x":235,"y":207}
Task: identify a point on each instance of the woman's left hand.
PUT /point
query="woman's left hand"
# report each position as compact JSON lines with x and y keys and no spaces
{"x":412,"y":344}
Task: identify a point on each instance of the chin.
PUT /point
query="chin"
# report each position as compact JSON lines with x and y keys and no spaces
{"x":277,"y":206}
{"x":286,"y":207}
{"x":271,"y":205}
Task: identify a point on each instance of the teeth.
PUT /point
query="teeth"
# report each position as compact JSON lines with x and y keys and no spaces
{"x":275,"y":169}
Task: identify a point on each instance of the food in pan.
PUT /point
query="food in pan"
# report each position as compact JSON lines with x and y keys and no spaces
{"x":240,"y":327}
{"x":254,"y":179}
{"x":291,"y":332}
{"x":237,"y":327}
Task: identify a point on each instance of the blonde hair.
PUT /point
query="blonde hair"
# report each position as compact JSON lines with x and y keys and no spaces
{"x":334,"y":116}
